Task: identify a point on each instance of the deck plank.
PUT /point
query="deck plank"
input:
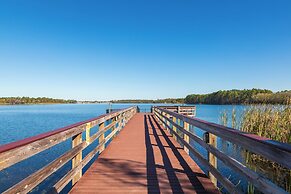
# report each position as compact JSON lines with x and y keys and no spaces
{"x":144,"y":158}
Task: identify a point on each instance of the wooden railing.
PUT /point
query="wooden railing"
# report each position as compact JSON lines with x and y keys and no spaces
{"x":271,"y":150}
{"x":184,"y":110}
{"x":13,"y":153}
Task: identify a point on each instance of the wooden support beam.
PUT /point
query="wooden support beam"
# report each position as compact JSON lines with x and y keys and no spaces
{"x":186,"y":137}
{"x":174,"y":127}
{"x":211,"y":158}
{"x":168,"y":123}
{"x":114,"y":126}
{"x":119,"y":123}
{"x":76,"y":140}
{"x":88,"y":128}
{"x":102,"y":137}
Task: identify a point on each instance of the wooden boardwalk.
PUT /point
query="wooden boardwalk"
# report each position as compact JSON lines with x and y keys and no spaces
{"x":144,"y":158}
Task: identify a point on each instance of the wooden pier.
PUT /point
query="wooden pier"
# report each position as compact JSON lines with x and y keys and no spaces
{"x":144,"y":155}
{"x":144,"y":158}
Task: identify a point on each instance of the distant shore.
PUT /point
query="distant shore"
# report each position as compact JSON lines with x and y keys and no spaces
{"x":221,"y":97}
{"x":31,"y":100}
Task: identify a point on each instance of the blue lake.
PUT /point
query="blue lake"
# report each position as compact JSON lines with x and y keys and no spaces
{"x":18,"y":122}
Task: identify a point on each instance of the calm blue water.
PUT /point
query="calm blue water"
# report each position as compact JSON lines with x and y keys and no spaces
{"x":18,"y":122}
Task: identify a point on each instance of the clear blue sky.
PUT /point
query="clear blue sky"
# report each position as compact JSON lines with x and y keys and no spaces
{"x":99,"y":50}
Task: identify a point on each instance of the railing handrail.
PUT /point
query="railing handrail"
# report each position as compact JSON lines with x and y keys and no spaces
{"x":23,"y":142}
{"x":18,"y":151}
{"x":169,"y":120}
{"x":280,"y":150}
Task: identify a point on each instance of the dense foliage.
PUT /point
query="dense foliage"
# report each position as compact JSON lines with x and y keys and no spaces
{"x":253,"y":96}
{"x":28,"y":100}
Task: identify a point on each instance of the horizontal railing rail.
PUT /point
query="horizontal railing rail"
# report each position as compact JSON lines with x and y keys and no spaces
{"x":272,"y":150}
{"x":184,"y":110}
{"x":15,"y":152}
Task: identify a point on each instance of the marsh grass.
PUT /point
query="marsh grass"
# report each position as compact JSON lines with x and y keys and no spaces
{"x":271,"y":121}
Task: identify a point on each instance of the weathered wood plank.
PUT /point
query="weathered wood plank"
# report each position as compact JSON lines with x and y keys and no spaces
{"x":224,"y":181}
{"x":102,"y":137}
{"x":260,"y":182}
{"x":211,"y":158}
{"x":88,"y":128}
{"x":15,"y":152}
{"x":36,"y":178}
{"x":95,"y":121}
{"x":74,"y":171}
{"x":272,"y":150}
{"x":184,"y":110}
{"x":124,"y":166}
{"x":18,"y":151}
{"x":186,"y":137}
{"x":18,"y":154}
{"x":76,"y":140}
{"x":101,"y":146}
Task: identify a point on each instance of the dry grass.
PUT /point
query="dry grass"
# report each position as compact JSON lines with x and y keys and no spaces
{"x":269,"y":121}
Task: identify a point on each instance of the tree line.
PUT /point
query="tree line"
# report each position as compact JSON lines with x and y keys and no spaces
{"x":167,"y":100}
{"x":247,"y":96}
{"x":29,"y":100}
{"x":252,"y":96}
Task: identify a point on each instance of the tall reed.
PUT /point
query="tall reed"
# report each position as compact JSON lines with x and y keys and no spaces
{"x":271,"y":121}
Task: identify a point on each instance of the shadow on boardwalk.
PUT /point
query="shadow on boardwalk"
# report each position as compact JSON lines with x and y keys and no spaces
{"x":144,"y":158}
{"x":160,"y":135}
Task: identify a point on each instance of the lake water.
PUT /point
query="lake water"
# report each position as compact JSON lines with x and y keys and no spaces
{"x":18,"y":122}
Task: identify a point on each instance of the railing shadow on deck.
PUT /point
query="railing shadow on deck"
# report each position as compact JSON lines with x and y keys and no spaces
{"x":192,"y":176}
{"x":133,"y":173}
{"x":153,"y":180}
{"x":179,"y":126}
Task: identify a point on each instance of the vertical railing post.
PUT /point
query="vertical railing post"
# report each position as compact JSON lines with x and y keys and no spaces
{"x":174,"y":127}
{"x":88,"y":128}
{"x":178,"y":121}
{"x":102,"y":136}
{"x":186,"y":137}
{"x":76,"y":140}
{"x":123,"y":119}
{"x":114,"y":119}
{"x":117,"y":123}
{"x":163,"y":119}
{"x":126,"y":117}
{"x":211,"y":158}
{"x":119,"y":118}
{"x":168,"y":122}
